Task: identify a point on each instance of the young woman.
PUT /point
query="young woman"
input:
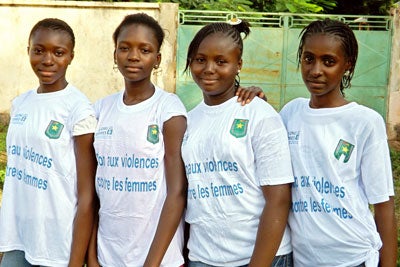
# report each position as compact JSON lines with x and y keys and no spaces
{"x":47,"y":206}
{"x":237,"y":162}
{"x":140,"y":177}
{"x":340,"y":160}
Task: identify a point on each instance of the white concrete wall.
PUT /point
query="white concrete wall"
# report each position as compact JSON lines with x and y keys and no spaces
{"x":93,"y":24}
{"x":393,"y":115}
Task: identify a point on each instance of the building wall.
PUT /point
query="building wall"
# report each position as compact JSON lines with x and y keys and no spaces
{"x":93,"y":23}
{"x":393,"y":117}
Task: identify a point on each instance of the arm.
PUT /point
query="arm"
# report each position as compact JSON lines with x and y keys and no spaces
{"x":385,"y":220}
{"x":246,"y":94}
{"x":272,"y":224}
{"x":92,"y":250}
{"x":83,"y":222}
{"x":175,"y":201}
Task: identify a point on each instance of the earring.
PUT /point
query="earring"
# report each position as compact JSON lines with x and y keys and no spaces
{"x":157,"y":69}
{"x":115,"y":67}
{"x":346,"y":73}
{"x":237,"y":80}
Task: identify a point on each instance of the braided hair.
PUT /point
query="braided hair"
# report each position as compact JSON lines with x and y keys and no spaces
{"x":344,"y":34}
{"x":232,"y":31}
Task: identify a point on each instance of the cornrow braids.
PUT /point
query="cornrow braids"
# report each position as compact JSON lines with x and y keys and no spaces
{"x":341,"y":31}
{"x":228,"y":30}
{"x":54,"y":24}
{"x":141,"y":19}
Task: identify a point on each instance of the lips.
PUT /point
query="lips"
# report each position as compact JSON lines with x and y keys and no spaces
{"x":315,"y":83}
{"x":46,"y":72}
{"x":133,"y":68}
{"x":208,"y":81}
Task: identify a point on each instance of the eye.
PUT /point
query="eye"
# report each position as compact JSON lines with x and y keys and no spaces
{"x":308,"y":58}
{"x":123,"y":48}
{"x":220,"y":61}
{"x":145,"y":50}
{"x":59,"y":53}
{"x":199,"y":60}
{"x":329,"y":61}
{"x":37,"y":51}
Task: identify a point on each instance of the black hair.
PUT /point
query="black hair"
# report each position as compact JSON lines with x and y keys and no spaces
{"x":341,"y":31}
{"x":142,"y":19}
{"x":229,"y":30}
{"x":54,"y":25}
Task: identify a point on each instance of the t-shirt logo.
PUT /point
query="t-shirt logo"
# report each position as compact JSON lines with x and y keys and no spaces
{"x":152,"y":134}
{"x":239,"y":128}
{"x":343,"y":148}
{"x":54,"y":129}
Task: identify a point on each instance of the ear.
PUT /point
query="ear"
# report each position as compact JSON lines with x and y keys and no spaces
{"x":158,"y":60}
{"x":349,"y":66}
{"x":115,"y":56}
{"x":27,"y":50}
{"x":72,"y":56}
{"x":240,"y":63}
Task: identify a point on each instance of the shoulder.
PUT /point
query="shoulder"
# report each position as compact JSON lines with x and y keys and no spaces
{"x":367,"y":115}
{"x":169,"y":101}
{"x":167,"y":96}
{"x":294,"y":106}
{"x":107,"y":99}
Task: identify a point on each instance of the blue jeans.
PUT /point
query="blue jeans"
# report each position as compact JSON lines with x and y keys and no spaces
{"x":279,"y":261}
{"x":15,"y":258}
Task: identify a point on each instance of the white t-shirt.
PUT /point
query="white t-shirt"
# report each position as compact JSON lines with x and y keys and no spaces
{"x":39,"y":196}
{"x":229,"y":152}
{"x":341,"y":163}
{"x":130,"y":179}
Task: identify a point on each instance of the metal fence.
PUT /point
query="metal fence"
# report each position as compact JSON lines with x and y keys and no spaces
{"x":270,"y":55}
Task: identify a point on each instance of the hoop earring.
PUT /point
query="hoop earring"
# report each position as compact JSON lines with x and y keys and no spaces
{"x":157,"y":70}
{"x":115,"y":67}
{"x":237,"y":80}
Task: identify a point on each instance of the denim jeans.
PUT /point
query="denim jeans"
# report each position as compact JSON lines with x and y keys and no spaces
{"x":279,"y":261}
{"x":15,"y":258}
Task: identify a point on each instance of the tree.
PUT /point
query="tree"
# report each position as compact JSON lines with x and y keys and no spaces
{"x":350,"y":7}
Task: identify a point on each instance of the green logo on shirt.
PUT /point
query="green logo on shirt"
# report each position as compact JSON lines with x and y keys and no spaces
{"x":343,"y":148}
{"x":239,"y":128}
{"x":54,"y":129}
{"x":152,"y":134}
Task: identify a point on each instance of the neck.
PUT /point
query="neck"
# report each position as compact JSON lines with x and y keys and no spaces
{"x":216,"y":99}
{"x":50,"y":88}
{"x":136,"y":94}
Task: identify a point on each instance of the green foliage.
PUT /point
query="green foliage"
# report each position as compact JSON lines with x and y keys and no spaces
{"x":297,"y":6}
{"x":220,"y":5}
{"x":395,"y":156}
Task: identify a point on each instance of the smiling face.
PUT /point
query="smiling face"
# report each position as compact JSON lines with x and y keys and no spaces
{"x":50,"y":53}
{"x":136,"y":53}
{"x":323,"y":64}
{"x":214,"y":68}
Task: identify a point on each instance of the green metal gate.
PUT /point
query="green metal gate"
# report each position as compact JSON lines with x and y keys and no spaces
{"x":270,"y":56}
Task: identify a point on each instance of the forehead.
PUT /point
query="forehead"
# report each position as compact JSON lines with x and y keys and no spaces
{"x":50,"y":36}
{"x":138,"y":32}
{"x":322,"y":43}
{"x":218,"y":43}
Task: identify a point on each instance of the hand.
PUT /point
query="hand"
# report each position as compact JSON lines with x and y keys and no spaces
{"x":246,"y":94}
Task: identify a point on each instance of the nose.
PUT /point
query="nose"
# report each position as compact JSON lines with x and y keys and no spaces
{"x":133,"y":55}
{"x":47,"y":58}
{"x":316,"y":69}
{"x":209,"y":67}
